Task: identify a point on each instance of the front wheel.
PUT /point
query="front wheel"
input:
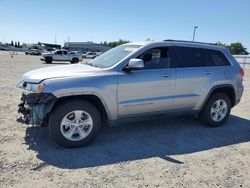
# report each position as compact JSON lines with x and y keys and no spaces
{"x":74,"y":124}
{"x":217,"y":110}
{"x":48,"y":60}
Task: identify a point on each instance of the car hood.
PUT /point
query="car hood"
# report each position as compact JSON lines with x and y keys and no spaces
{"x":59,"y":71}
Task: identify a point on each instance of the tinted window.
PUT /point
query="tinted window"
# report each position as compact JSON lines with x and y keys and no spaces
{"x":59,"y":52}
{"x":156,"y":58}
{"x":215,"y":58}
{"x":187,"y":57}
{"x":64,"y":52}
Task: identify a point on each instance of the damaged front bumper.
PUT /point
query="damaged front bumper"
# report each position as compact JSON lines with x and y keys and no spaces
{"x":34,"y":107}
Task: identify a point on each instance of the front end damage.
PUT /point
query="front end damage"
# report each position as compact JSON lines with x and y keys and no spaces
{"x":35,"y":107}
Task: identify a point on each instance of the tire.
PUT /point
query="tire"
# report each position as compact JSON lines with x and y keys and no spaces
{"x":74,"y":60}
{"x":48,"y":60}
{"x":58,"y":130}
{"x":219,"y":111}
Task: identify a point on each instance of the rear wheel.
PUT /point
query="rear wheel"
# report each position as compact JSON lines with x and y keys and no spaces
{"x":48,"y":60}
{"x":217,"y":110}
{"x":74,"y":124}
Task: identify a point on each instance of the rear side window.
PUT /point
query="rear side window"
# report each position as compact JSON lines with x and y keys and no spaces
{"x":64,"y":52}
{"x":215,"y":58}
{"x":187,"y":57}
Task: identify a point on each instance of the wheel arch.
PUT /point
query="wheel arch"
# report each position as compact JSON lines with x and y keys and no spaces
{"x":48,"y":57}
{"x":225,"y":88}
{"x":92,"y":98}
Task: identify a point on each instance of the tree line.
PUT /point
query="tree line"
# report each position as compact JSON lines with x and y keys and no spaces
{"x":15,"y":44}
{"x":114,"y":43}
{"x":235,"y":48}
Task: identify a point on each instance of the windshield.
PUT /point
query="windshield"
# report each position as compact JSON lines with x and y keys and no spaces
{"x":114,"y":55}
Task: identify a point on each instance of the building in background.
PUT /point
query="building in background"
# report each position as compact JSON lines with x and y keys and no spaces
{"x":85,"y":47}
{"x":3,"y":46}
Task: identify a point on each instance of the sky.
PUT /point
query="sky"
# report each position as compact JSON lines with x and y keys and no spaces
{"x":30,"y":21}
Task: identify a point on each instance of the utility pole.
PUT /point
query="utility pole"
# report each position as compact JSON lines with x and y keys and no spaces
{"x":55,"y":39}
{"x":195,"y":27}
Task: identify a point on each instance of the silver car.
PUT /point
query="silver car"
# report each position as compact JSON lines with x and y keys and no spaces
{"x":134,"y":80}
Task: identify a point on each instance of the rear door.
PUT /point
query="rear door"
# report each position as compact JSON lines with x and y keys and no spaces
{"x":65,"y":56}
{"x":192,"y":77}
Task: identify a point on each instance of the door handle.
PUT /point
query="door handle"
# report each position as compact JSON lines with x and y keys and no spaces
{"x":208,"y":73}
{"x":165,"y":75}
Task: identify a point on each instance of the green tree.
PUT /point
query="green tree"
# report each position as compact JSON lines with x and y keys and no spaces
{"x":117,"y":43}
{"x":12,"y":43}
{"x":237,"y":49}
{"x":15,"y":44}
{"x":18,"y":44}
{"x":114,"y":43}
{"x":105,"y":43}
{"x":222,"y":44}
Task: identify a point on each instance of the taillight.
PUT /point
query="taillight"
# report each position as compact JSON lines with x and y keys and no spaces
{"x":242,"y":73}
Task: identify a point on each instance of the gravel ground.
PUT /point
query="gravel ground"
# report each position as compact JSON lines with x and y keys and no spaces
{"x":171,"y":152}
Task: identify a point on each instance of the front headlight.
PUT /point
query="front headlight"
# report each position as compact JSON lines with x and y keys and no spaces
{"x":30,"y":87}
{"x":34,"y":88}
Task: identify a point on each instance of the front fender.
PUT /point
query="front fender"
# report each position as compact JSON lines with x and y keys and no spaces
{"x":103,"y":87}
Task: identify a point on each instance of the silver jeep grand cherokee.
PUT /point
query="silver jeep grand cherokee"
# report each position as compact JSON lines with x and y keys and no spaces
{"x":132,"y":80}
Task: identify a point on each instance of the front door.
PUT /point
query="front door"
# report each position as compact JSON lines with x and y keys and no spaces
{"x":149,"y":90}
{"x":58,"y":55}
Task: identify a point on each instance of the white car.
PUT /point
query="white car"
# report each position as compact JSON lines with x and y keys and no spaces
{"x":90,"y":55}
{"x":62,"y":55}
{"x":98,"y":53}
{"x":33,"y":52}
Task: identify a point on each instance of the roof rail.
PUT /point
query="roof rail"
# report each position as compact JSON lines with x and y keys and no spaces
{"x":171,"y":40}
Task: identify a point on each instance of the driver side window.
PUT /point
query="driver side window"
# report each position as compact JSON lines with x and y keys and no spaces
{"x":156,"y":58}
{"x":58,"y":52}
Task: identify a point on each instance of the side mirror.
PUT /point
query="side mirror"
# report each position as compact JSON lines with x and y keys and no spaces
{"x":134,"y":64}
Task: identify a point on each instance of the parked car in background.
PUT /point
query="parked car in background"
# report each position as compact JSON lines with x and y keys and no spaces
{"x":62,"y":55}
{"x":134,"y":80}
{"x":98,"y":53}
{"x":33,"y":52}
{"x":89,"y":55}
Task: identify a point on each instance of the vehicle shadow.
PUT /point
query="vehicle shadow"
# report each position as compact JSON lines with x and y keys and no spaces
{"x":156,"y":138}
